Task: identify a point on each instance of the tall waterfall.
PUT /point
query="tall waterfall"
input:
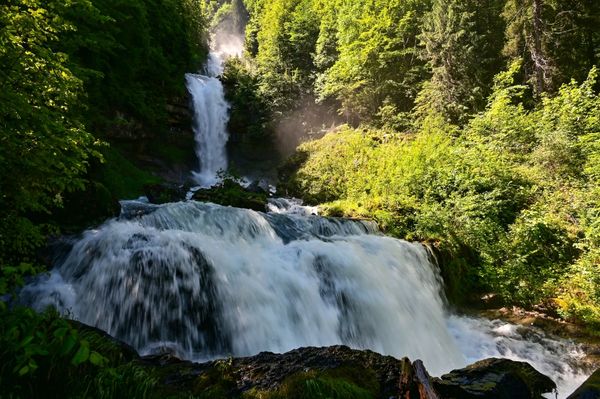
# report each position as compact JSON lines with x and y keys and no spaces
{"x":210,"y":126}
{"x":211,"y":112}
{"x":206,"y":281}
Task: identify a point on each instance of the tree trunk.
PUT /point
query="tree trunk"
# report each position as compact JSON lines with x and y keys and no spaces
{"x":539,"y":61}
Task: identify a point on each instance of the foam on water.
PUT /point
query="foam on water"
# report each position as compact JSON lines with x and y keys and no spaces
{"x":206,"y":281}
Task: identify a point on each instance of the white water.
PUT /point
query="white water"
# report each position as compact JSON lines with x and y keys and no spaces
{"x":211,"y":112}
{"x":207,"y":281}
{"x":210,"y":125}
{"x":291,"y":206}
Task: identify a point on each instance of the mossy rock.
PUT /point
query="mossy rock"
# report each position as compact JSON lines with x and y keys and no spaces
{"x":230,"y":193}
{"x":590,"y":389}
{"x":494,"y":379}
{"x":163,"y":193}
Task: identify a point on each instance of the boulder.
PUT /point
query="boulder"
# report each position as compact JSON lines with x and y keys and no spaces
{"x":341,"y":372}
{"x":164,"y":192}
{"x":590,"y":389}
{"x":494,"y":379}
{"x":231,"y":193}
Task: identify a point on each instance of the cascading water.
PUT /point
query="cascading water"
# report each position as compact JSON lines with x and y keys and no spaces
{"x":206,"y":281}
{"x":211,"y":113}
{"x":210,"y":122}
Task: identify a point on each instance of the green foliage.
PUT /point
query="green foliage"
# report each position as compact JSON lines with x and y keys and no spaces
{"x":47,"y":356}
{"x":462,"y":42}
{"x":515,"y":190}
{"x":359,"y":56}
{"x":34,"y":348}
{"x":125,"y":381}
{"x":42,"y":136}
{"x":160,"y":41}
{"x":285,"y":39}
{"x":378,"y":59}
{"x":62,"y":74}
{"x":563,"y":45}
{"x":249,"y":117}
{"x":122,"y":178}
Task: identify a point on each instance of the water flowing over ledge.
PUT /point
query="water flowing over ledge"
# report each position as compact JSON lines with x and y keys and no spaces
{"x":206,"y":281}
{"x":211,"y":110}
{"x":211,"y":113}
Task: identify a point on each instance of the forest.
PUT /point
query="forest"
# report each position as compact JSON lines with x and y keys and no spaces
{"x":470,"y":126}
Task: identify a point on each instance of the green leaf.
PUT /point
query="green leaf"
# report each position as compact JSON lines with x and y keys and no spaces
{"x":97,"y":359}
{"x":61,"y":332}
{"x":68,"y":345}
{"x":26,"y":341}
{"x":82,"y":355}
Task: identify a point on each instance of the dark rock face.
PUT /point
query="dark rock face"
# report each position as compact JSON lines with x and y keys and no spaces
{"x":164,"y":193}
{"x":590,"y":389}
{"x":179,"y":114}
{"x":494,"y":378}
{"x":339,"y":371}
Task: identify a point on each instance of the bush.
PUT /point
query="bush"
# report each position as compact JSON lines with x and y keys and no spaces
{"x":515,"y":192}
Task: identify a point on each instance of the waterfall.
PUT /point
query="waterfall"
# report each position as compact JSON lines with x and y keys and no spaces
{"x":210,"y":121}
{"x":205,"y":281}
{"x":211,"y":111}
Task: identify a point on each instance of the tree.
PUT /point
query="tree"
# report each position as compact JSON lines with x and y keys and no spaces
{"x":378,"y":64}
{"x":462,"y":43}
{"x":286,"y":41}
{"x":557,"y":39}
{"x":44,"y":147}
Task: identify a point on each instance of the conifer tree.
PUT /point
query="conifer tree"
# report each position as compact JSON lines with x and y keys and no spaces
{"x":462,"y":42}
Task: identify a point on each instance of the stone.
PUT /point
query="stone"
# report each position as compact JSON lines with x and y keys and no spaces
{"x":164,"y":192}
{"x":590,"y":389}
{"x":494,"y":379}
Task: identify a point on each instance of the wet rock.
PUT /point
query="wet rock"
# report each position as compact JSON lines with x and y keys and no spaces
{"x":115,"y":350}
{"x":255,"y":187}
{"x":230,"y":193}
{"x":590,"y":389}
{"x":178,"y":113}
{"x":494,"y":378}
{"x":339,"y":371}
{"x":164,"y":193}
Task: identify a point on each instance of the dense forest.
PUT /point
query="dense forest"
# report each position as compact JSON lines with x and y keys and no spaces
{"x":75,"y":74}
{"x":471,"y":126}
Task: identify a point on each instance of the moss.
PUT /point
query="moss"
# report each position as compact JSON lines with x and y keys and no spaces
{"x":339,"y":383}
{"x":174,"y":151}
{"x":589,"y":389}
{"x":230,"y":193}
{"x":217,"y":382}
{"x":121,"y":177}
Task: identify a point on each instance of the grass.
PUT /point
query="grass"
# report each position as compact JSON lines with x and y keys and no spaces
{"x":121,"y":177}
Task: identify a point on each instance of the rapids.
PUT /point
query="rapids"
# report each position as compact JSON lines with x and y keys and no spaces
{"x":205,"y":281}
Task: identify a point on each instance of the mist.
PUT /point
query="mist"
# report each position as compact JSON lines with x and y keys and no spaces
{"x":228,"y":33}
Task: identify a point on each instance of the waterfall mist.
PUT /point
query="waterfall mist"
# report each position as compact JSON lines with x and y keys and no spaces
{"x":210,"y":109}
